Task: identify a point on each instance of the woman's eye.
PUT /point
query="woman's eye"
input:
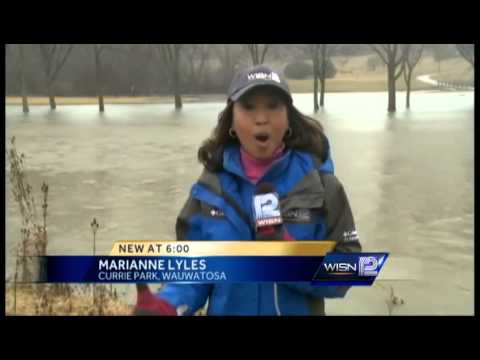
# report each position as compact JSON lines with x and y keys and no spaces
{"x":273,"y":104}
{"x":248,"y":106}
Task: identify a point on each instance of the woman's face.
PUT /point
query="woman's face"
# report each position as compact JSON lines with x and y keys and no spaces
{"x":260,"y":121}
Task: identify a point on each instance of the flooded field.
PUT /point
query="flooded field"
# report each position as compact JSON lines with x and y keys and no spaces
{"x":409,"y":178}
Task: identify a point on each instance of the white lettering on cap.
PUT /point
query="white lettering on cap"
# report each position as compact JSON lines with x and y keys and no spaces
{"x":264,"y":76}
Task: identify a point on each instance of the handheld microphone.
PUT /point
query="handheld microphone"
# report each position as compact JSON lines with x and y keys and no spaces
{"x":267,"y":214}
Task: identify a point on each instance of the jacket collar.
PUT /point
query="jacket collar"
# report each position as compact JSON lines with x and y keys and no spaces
{"x":232,"y":163}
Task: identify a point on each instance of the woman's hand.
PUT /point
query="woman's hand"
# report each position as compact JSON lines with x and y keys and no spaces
{"x":150,"y":305}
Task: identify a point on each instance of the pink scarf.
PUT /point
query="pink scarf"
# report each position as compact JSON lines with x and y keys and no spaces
{"x":255,"y":168}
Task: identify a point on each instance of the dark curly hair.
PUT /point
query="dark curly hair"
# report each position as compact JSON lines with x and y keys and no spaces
{"x":307,"y":135}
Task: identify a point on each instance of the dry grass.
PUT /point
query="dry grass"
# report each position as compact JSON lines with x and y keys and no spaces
{"x":33,"y":229}
{"x":61,"y":299}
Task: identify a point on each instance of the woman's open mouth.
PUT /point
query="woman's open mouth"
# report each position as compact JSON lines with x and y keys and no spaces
{"x":262,"y":138}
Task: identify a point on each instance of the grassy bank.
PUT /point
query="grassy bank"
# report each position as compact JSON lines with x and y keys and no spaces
{"x":64,"y":100}
{"x":355,"y":84}
{"x":341,"y":84}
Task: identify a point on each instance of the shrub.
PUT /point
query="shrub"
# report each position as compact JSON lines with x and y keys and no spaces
{"x":298,"y":70}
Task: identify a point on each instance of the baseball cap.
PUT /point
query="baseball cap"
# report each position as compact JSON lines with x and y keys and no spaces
{"x":260,"y":75}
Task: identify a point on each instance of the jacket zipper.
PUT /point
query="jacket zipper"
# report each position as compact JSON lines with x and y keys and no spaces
{"x":275,"y":298}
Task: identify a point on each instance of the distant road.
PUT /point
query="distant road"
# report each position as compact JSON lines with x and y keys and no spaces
{"x":428,"y":80}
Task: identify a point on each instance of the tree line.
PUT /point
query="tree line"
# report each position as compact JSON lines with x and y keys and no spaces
{"x":176,"y":69}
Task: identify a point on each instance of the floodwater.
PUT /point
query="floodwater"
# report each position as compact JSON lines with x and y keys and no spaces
{"x":409,"y":178}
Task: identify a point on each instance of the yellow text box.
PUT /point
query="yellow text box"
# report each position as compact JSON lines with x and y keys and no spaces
{"x":221,"y":248}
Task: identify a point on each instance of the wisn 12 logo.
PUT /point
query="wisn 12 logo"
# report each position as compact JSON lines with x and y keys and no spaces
{"x":349,"y":268}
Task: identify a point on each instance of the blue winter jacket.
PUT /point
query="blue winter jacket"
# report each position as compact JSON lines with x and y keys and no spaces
{"x":219,"y":208}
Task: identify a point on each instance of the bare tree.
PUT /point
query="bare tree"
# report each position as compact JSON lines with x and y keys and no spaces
{"x":467,"y":51}
{"x":97,"y":51}
{"x":230,"y":57}
{"x":326,"y":51}
{"x":228,"y":66}
{"x":54,"y":57}
{"x":413,"y":53}
{"x":320,"y":55}
{"x":314,"y":50}
{"x":197,"y":55}
{"x":393,"y":56}
{"x":170,"y":54}
{"x":22,"y":79}
{"x":442,"y":52}
{"x":133,"y":60}
{"x":258,"y":52}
